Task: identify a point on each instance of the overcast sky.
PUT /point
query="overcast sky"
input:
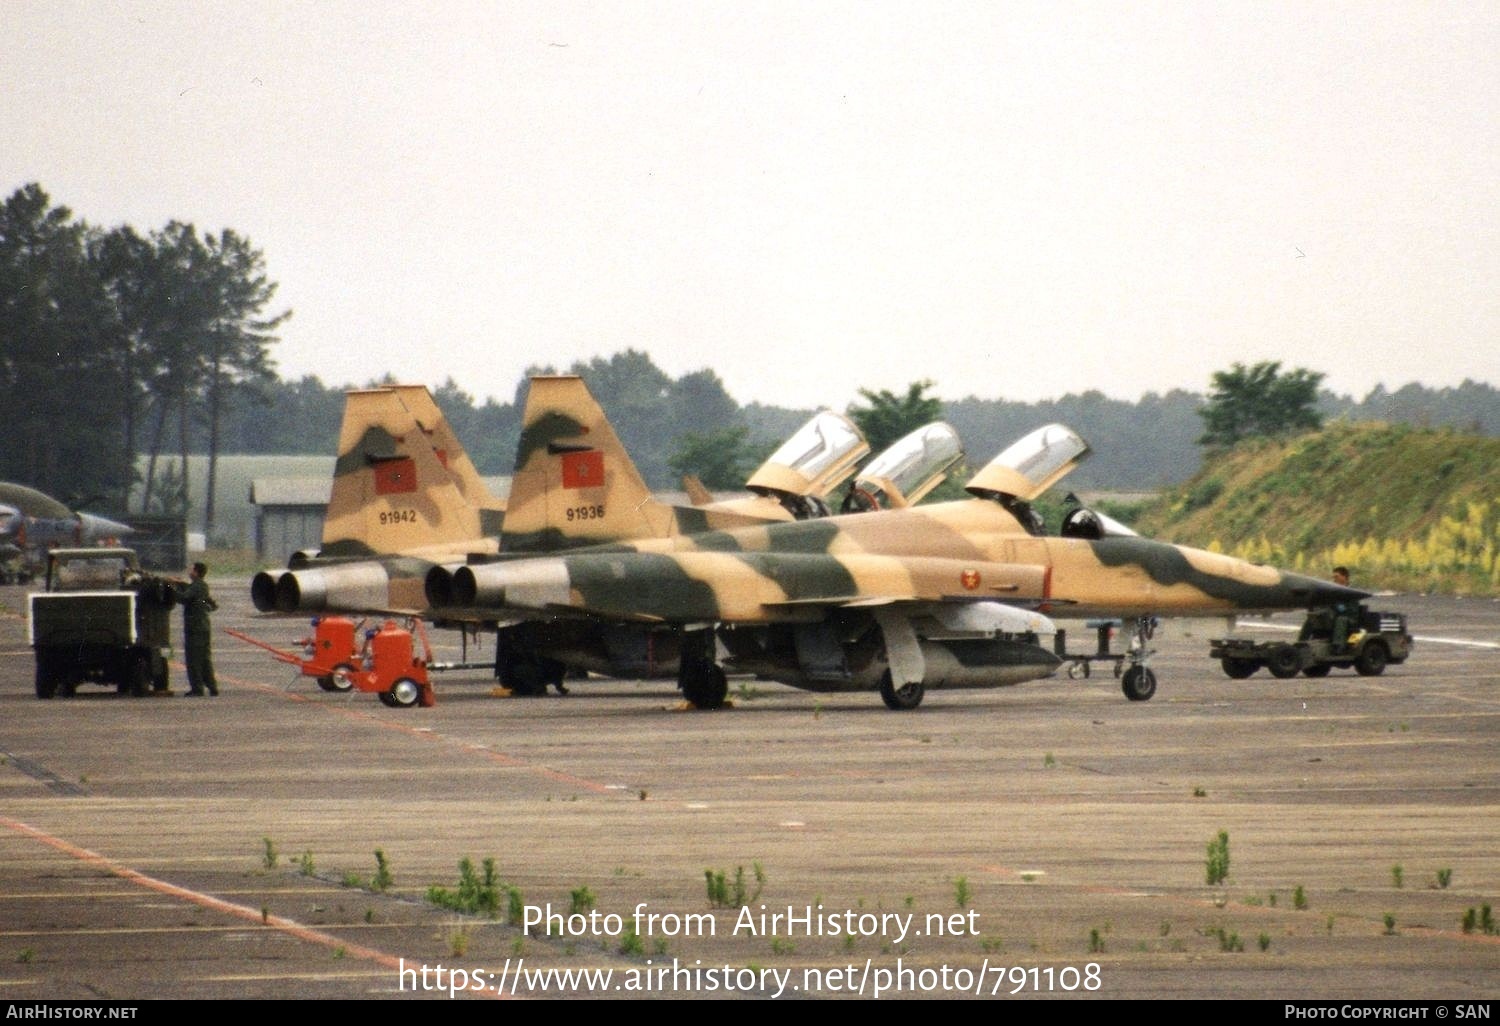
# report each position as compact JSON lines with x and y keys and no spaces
{"x":1014,"y":200}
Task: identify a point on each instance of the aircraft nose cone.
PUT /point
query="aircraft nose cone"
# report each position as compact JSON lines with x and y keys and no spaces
{"x":1311,"y":591}
{"x":97,"y":527}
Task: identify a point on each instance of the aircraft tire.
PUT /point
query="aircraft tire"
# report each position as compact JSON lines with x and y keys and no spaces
{"x":1316,"y":670}
{"x":527,"y":674}
{"x":1372,"y":660}
{"x":1284,"y":662}
{"x":138,"y":676}
{"x":704,"y":685}
{"x":908,"y":696}
{"x":1238,"y":669}
{"x":405,"y":693}
{"x":46,"y":679}
{"x":1138,"y":683}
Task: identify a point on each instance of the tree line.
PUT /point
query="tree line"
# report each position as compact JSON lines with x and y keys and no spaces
{"x":115,"y":344}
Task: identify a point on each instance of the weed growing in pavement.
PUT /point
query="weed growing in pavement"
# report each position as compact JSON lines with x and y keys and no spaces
{"x":1217,"y":864}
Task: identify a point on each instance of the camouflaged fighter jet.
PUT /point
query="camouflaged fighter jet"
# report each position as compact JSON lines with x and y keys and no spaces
{"x":394,"y":515}
{"x":911,"y":599}
{"x":579,"y":488}
{"x":406,"y":496}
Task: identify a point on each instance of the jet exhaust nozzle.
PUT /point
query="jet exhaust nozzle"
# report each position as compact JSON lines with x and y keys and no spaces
{"x":439,"y":587}
{"x":263,"y":592}
{"x":522,"y":584}
{"x":465,"y":589}
{"x":358,"y":586}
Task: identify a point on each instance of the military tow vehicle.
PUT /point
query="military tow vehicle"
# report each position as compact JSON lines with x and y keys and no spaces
{"x":100,"y":620}
{"x":1371,"y":641}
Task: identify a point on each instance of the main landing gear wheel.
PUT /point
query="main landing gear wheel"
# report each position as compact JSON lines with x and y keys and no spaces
{"x":704,"y":685}
{"x":1138,"y":683}
{"x":338,"y":680}
{"x":527,"y":674}
{"x":907,"y":696}
{"x":403,"y":694}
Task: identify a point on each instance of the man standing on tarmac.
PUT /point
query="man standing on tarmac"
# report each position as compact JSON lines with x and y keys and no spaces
{"x":197,"y":629}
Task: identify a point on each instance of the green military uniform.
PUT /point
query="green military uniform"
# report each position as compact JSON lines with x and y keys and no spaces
{"x":197,"y":633}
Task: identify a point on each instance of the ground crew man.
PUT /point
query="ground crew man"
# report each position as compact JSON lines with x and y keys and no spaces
{"x":1345,"y":613}
{"x":197,"y":628}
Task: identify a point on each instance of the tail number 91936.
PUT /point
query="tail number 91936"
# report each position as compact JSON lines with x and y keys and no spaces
{"x":585,"y":513}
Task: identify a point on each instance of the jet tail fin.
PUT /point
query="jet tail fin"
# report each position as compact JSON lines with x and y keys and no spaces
{"x":392,"y":490}
{"x":574,"y":483}
{"x":697,"y":494}
{"x":449,"y":450}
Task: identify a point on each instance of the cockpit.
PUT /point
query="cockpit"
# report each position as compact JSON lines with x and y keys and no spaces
{"x":811,"y":464}
{"x":907,"y":470}
{"x":1030,"y":466}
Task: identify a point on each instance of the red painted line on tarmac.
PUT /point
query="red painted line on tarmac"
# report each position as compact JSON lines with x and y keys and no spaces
{"x":208,"y":901}
{"x":291,"y":927}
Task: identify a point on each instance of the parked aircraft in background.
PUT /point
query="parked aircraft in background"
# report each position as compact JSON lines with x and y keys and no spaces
{"x":32,"y":522}
{"x":915,"y":598}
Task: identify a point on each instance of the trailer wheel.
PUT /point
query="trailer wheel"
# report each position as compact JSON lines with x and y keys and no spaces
{"x":405,"y":693}
{"x":1138,"y":683}
{"x":1239,"y":669}
{"x":1372,"y":659}
{"x":338,"y":680}
{"x":1284,"y":661}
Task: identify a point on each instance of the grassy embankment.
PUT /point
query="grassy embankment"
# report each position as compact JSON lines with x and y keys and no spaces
{"x":1405,"y":508}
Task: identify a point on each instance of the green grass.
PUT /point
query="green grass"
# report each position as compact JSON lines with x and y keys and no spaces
{"x":1216,"y":864}
{"x":1407,"y":508}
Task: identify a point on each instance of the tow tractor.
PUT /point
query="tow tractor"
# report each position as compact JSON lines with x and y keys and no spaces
{"x":1366,"y":640}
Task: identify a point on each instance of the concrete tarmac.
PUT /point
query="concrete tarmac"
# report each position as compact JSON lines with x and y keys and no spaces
{"x":1048,"y":839}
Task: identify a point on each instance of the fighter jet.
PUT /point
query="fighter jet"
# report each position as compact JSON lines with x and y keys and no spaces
{"x":913,"y":599}
{"x":576,"y":486}
{"x":405,"y":496}
{"x":31,"y":523}
{"x":395,"y":514}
